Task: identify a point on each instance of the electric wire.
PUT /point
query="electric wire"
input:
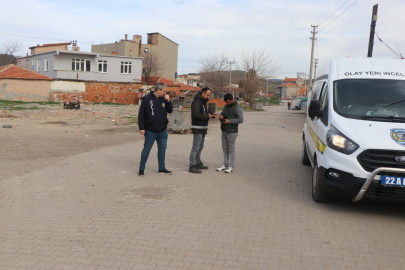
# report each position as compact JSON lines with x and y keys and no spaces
{"x":387,"y":45}
{"x":399,"y":51}
{"x":340,"y":14}
{"x":334,"y":11}
{"x":327,"y":11}
{"x":16,"y":35}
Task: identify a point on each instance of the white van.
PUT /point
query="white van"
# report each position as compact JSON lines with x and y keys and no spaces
{"x":354,"y":135}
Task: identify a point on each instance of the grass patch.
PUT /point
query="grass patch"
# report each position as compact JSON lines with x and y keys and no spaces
{"x":11,"y":105}
{"x":110,"y":103}
{"x":131,"y":119}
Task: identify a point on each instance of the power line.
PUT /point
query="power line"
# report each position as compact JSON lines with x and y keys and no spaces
{"x":340,"y":14}
{"x":387,"y":45}
{"x":327,"y":11}
{"x":335,"y":11}
{"x":16,"y":35}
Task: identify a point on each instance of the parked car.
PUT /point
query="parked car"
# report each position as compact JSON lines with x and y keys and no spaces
{"x":354,"y":135}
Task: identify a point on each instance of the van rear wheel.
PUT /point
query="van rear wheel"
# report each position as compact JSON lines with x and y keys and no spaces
{"x":318,"y":195}
{"x":304,"y":156}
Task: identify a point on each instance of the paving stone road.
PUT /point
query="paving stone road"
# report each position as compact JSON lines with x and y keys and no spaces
{"x":92,"y":211}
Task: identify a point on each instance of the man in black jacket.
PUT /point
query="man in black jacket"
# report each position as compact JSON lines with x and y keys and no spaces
{"x":152,"y":122}
{"x":199,"y":126}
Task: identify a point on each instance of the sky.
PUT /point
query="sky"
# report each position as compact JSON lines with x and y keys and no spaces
{"x":203,"y":28}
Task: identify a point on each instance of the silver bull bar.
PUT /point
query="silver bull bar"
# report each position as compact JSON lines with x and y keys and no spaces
{"x":370,"y":179}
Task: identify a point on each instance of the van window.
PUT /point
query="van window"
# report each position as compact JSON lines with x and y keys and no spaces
{"x":370,"y":99}
{"x":315,"y":90}
{"x":324,"y":96}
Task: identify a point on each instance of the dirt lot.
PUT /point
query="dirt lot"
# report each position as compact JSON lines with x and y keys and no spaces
{"x":42,"y":135}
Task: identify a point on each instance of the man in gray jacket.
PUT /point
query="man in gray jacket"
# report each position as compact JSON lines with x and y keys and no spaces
{"x":230,"y":117}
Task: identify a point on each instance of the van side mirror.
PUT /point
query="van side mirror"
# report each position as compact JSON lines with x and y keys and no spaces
{"x":314,"y":109}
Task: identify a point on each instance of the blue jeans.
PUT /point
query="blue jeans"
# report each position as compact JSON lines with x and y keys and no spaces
{"x":150,"y":138}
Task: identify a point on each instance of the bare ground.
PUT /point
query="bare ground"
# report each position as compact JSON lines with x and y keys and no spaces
{"x":40,"y":138}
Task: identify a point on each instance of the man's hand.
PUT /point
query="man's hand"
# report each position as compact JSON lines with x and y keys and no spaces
{"x":215,"y":114}
{"x":167,"y":97}
{"x":226,"y":121}
{"x":142,"y":132}
{"x":221,"y":117}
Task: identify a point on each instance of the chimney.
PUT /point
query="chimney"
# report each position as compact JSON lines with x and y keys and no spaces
{"x":126,"y":36}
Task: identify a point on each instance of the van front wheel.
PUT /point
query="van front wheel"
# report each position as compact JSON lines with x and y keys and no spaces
{"x":318,"y":195}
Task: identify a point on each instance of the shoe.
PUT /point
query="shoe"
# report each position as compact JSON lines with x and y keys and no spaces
{"x":165,"y":172}
{"x":222,"y":168}
{"x":229,"y":170}
{"x":193,"y":169}
{"x":201,"y":166}
{"x":141,"y":173}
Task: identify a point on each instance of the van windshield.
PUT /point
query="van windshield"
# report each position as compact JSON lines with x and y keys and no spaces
{"x":370,"y":99}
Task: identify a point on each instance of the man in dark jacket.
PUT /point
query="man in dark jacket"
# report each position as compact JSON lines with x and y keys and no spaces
{"x":230,"y":117}
{"x":199,"y":126}
{"x":152,"y":122}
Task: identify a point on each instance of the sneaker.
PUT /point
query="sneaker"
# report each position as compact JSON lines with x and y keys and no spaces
{"x":222,"y":168}
{"x":193,"y":169}
{"x":201,"y":166}
{"x":229,"y":170}
{"x":165,"y":172}
{"x":141,"y":173}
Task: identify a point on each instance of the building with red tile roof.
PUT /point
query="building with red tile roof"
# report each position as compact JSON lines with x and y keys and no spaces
{"x":21,"y":84}
{"x":17,"y":72}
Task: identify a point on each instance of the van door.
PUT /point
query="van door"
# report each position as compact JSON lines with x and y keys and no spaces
{"x":312,"y":125}
{"x":322,"y":124}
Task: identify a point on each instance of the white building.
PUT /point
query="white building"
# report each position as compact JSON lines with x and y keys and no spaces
{"x":192,"y":80}
{"x":85,"y":66}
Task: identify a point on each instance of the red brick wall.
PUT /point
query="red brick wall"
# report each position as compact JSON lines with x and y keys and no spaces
{"x":96,"y":92}
{"x":218,"y":102}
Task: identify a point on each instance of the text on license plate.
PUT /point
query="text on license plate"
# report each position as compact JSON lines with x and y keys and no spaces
{"x":392,"y":180}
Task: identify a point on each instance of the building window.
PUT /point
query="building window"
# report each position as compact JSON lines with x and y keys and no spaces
{"x":28,"y":64}
{"x":33,"y":61}
{"x":102,"y":66}
{"x":88,"y":65}
{"x":46,"y":64}
{"x":126,"y":67}
{"x":38,"y":64}
{"x":190,"y":82}
{"x":19,"y":63}
{"x":81,"y":65}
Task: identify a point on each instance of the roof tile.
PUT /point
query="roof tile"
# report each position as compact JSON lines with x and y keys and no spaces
{"x":17,"y":72}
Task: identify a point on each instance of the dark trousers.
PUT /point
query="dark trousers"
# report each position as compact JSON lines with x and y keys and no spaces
{"x":198,"y":145}
{"x":150,"y":138}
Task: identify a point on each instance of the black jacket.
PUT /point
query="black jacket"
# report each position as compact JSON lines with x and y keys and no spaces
{"x":199,"y":114}
{"x":153,"y":113}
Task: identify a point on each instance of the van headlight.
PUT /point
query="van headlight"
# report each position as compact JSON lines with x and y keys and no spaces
{"x":339,"y":142}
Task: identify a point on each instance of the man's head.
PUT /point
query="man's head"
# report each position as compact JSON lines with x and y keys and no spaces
{"x":160,"y":90}
{"x":206,"y":93}
{"x":228,"y":98}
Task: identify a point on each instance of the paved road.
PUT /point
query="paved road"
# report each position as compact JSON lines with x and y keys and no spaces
{"x":92,"y":211}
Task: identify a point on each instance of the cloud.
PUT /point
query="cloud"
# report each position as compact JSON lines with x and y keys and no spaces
{"x":203,"y":27}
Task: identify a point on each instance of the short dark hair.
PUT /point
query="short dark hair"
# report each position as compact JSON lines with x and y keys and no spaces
{"x":205,"y":89}
{"x":228,"y":96}
{"x":160,"y":86}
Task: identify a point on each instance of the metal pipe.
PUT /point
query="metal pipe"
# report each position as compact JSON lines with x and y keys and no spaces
{"x":370,"y":179}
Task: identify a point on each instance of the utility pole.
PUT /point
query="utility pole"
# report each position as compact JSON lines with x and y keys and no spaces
{"x":298,"y":75}
{"x":316,"y":64}
{"x":372,"y":31}
{"x":230,"y":75}
{"x":312,"y":56}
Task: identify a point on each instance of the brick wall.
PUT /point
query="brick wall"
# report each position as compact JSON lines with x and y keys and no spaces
{"x":96,"y":92}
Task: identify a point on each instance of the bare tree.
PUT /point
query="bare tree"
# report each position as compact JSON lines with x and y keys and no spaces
{"x":7,"y":51}
{"x":213,"y":72}
{"x":152,"y":64}
{"x":259,"y":66}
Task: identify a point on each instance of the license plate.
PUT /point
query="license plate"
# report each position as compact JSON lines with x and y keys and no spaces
{"x":392,"y":181}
